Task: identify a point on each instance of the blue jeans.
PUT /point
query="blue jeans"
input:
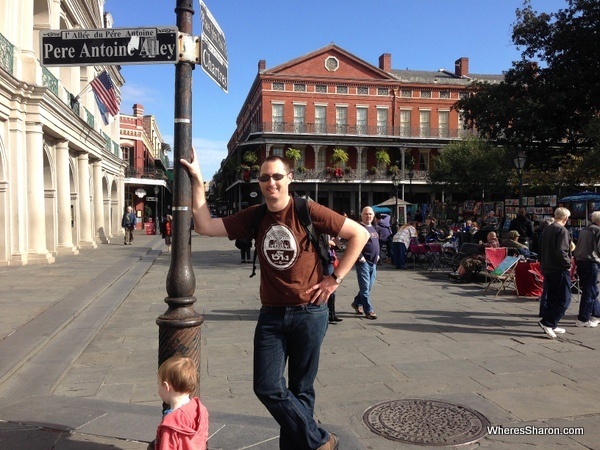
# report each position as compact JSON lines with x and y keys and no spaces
{"x":294,"y":335}
{"x":558,"y":297}
{"x":365,"y":273}
{"x":588,"y":283}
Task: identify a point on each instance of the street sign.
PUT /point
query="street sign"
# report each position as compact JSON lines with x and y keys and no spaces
{"x":213,"y":51}
{"x":213,"y":64}
{"x":212,"y":31}
{"x":150,"y":199}
{"x":148,"y":45}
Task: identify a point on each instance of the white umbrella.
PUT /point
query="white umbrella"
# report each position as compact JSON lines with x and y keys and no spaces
{"x":401,"y":203}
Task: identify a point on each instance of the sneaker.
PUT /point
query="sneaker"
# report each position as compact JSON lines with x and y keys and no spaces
{"x":588,"y":324}
{"x":595,"y":319}
{"x":558,"y":330}
{"x":549,"y":331}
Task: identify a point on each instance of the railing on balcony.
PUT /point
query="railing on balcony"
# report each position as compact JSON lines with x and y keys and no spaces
{"x":354,"y":175}
{"x":49,"y":81}
{"x":146,"y":173}
{"x":356,"y":130}
{"x":7,"y":54}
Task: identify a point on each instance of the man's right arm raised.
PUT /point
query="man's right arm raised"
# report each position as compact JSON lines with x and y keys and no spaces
{"x":203,"y":223}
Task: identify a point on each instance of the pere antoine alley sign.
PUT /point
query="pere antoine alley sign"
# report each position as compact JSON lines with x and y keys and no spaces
{"x":149,"y":45}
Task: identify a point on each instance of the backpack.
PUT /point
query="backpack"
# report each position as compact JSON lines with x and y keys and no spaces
{"x":128,"y":221}
{"x":301,"y":207}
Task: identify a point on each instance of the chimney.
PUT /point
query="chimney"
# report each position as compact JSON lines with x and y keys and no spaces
{"x":461,"y":67}
{"x":385,"y":62}
{"x":138,"y":110}
{"x":262,"y":65}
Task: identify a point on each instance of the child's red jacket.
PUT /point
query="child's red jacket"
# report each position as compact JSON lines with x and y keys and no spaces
{"x":186,"y":428}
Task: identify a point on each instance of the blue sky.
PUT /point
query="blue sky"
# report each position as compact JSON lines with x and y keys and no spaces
{"x":419,"y":34}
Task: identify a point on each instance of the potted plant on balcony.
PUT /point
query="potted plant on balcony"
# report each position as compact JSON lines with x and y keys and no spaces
{"x":382,"y":157}
{"x":339,"y":157}
{"x":373,"y":170}
{"x":293,"y":155}
{"x":250,"y":157}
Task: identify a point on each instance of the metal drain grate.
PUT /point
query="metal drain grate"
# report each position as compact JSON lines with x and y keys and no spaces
{"x":426,"y":422}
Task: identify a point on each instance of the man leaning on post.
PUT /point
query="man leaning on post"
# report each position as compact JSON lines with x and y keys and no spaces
{"x":293,"y":291}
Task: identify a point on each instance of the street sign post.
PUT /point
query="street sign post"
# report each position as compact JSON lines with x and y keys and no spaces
{"x":213,"y":52}
{"x":106,"y":46}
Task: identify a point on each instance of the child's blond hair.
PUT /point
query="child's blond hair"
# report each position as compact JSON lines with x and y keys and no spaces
{"x":181,"y":373}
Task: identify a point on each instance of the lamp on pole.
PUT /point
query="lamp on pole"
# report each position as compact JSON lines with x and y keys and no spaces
{"x":396,"y":182}
{"x":519,"y":164}
{"x":156,"y":191}
{"x":179,"y":326}
{"x":411,"y":175}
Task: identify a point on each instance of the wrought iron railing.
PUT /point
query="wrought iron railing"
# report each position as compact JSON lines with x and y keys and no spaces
{"x":7,"y":54}
{"x":49,"y":80}
{"x":353,"y":130}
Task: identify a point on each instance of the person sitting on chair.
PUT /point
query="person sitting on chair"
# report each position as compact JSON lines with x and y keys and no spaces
{"x":513,"y":242}
{"x":473,"y":264}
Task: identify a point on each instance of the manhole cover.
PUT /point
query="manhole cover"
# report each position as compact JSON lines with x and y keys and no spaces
{"x":426,"y":422}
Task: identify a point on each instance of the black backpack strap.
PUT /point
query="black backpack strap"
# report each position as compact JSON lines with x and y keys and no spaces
{"x":257,"y":217}
{"x":301,"y":205}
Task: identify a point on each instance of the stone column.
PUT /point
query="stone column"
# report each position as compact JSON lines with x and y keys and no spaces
{"x":63,"y":201}
{"x":37,"y":252}
{"x":100,"y":228}
{"x":85,"y":217}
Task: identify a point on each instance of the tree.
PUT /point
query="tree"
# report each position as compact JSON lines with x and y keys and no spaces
{"x":474,"y":166}
{"x":549,"y":100}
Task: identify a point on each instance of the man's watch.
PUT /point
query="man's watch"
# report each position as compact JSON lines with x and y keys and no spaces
{"x":337,"y":279}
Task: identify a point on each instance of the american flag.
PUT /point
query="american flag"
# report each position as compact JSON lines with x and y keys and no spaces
{"x":106,"y":97}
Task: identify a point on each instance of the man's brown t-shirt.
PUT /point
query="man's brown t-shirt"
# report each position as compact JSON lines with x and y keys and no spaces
{"x":289,"y":262}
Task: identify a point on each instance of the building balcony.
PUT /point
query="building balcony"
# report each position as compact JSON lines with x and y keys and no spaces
{"x":322,"y":129}
{"x":156,"y":174}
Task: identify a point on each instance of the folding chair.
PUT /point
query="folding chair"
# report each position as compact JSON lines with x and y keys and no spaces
{"x":503,"y":275}
{"x":575,"y":288}
{"x":494,"y":256}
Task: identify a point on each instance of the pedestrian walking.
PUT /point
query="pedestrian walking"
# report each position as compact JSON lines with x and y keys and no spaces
{"x":555,"y":266}
{"x":366,"y":267}
{"x":587,"y":258}
{"x":128,"y":223}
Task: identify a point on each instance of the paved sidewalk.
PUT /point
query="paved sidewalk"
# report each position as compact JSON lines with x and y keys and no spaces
{"x":78,"y":355}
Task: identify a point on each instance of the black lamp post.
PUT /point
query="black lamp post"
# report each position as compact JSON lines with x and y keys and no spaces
{"x":156,"y":207}
{"x":179,"y":327}
{"x":519,"y":164}
{"x":411,"y":175}
{"x":396,"y":182}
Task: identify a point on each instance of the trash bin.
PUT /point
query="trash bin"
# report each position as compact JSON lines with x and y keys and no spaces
{"x":150,"y":228}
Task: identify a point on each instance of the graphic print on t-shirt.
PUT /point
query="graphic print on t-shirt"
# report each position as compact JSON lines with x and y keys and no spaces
{"x":280,"y":248}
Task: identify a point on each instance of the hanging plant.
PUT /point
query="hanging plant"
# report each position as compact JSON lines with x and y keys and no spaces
{"x":382,"y":157}
{"x":250,"y":157}
{"x":293,"y":155}
{"x":339,"y":157}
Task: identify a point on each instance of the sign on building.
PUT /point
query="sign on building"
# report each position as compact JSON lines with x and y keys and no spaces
{"x":76,"y":47}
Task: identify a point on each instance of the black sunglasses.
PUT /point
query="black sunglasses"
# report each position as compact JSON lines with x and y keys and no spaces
{"x":276,"y":176}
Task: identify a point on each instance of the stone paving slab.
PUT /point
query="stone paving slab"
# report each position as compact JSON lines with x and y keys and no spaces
{"x":434,"y":339}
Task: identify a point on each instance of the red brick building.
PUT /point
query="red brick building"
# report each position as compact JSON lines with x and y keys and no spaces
{"x":330,"y":101}
{"x":148,"y":180}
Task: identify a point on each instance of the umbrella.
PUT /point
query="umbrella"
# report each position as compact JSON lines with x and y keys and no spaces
{"x":585,"y":196}
{"x":392,"y":202}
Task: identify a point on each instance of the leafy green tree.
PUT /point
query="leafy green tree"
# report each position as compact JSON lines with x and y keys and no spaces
{"x":549,"y":100}
{"x":473,"y":166}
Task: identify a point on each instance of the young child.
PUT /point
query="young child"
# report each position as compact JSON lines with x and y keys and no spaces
{"x":185,"y":424}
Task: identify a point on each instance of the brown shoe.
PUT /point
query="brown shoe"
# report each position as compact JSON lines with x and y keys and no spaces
{"x":331,"y":444}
